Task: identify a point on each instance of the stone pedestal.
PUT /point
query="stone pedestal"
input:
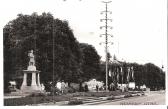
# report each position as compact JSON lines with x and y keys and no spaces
{"x":35,"y":84}
{"x":35,"y":78}
{"x":38,"y":81}
{"x":24,"y":80}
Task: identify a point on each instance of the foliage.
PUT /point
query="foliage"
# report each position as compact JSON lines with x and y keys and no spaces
{"x":154,"y":77}
{"x":75,"y":102}
{"x":69,"y":90}
{"x":56,"y":50}
{"x":111,"y":98}
{"x":148,"y":74}
{"x":109,"y":56}
{"x":90,"y":63}
{"x":128,"y":95}
{"x":54,"y":91}
{"x":35,"y":100}
{"x":37,"y":95}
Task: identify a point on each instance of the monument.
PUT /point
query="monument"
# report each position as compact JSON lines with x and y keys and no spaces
{"x":34,"y":79}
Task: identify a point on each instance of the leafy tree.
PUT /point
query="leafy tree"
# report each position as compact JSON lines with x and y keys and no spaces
{"x":155,"y":77}
{"x":56,"y":50}
{"x":90,"y":62}
{"x":108,"y":56}
{"x":149,"y":74}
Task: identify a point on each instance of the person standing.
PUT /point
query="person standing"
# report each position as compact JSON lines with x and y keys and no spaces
{"x":97,"y":87}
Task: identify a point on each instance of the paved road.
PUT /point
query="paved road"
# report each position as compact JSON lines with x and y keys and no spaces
{"x":152,"y":98}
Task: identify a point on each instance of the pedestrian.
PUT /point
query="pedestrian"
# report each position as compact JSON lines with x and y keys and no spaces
{"x":86,"y":88}
{"x":97,"y":88}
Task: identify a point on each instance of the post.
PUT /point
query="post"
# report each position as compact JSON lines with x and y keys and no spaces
{"x":53,"y":44}
{"x":106,"y":39}
{"x":122,"y":75}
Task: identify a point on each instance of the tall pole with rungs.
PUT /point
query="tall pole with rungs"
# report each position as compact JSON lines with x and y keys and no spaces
{"x":106,"y":37}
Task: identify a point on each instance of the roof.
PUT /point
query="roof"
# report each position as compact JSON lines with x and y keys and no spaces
{"x":115,"y":62}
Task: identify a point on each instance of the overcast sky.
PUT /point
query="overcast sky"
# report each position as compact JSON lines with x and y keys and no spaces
{"x":139,"y":26}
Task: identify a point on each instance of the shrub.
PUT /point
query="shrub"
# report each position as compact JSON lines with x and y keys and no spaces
{"x":86,"y":88}
{"x":138,"y":95}
{"x":75,"y":102}
{"x":37,"y":95}
{"x":93,"y":95}
{"x":7,"y":90}
{"x":75,"y":86}
{"x":111,"y":98}
{"x":55,"y":91}
{"x":127,"y":95}
{"x":69,"y":90}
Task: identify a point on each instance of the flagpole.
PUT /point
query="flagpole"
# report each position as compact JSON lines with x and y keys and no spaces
{"x":122,"y":76}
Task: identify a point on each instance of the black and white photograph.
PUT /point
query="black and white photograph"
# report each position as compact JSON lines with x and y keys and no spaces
{"x":83,"y":52}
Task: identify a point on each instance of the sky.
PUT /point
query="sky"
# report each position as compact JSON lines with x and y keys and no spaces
{"x":139,"y":26}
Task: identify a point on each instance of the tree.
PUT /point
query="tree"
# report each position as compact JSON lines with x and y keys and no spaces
{"x":155,"y":77}
{"x":149,"y":74}
{"x":56,"y":50}
{"x":90,"y":62}
{"x":108,"y":56}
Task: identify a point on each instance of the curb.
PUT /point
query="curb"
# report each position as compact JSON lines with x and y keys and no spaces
{"x":121,"y":96}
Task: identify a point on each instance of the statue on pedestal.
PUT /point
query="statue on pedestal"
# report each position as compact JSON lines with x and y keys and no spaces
{"x":31,"y":65}
{"x":31,"y":56}
{"x":35,"y":76}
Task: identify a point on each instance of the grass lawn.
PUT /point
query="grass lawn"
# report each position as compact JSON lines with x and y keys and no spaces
{"x":66,"y":97}
{"x":35,"y":100}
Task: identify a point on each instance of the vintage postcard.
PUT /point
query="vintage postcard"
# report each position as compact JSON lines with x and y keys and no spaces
{"x":84,"y":52}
